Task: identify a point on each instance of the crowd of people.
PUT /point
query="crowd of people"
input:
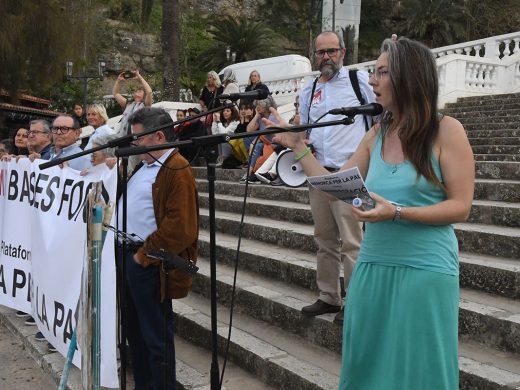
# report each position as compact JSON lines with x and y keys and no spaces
{"x":397,"y":304}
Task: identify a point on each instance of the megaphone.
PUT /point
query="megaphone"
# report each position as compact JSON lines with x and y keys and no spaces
{"x":290,"y":171}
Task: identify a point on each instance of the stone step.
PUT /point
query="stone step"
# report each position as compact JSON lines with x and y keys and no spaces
{"x":487,"y":212}
{"x":496,"y":141}
{"x":489,"y":240}
{"x":485,"y":100}
{"x":503,"y":170}
{"x":478,"y":238}
{"x":453,"y":109}
{"x":497,"y":157}
{"x":286,"y":234}
{"x":275,"y":313}
{"x":493,"y":133}
{"x":490,"y":274}
{"x":486,"y":318}
{"x":497,"y":190}
{"x":482,"y":368}
{"x":500,"y":276}
{"x":193,"y":366}
{"x":495,"y":213}
{"x":503,"y":120}
{"x":281,"y":210}
{"x":279,"y":359}
{"x":490,"y":126}
{"x":485,"y":189}
{"x":490,"y":320}
{"x":484,"y":112}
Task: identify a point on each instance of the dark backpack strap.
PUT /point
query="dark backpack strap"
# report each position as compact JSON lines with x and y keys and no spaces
{"x":310,"y":102}
{"x":352,"y":74}
{"x":308,"y":132}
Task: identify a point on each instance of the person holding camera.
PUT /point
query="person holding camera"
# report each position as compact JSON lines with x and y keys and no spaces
{"x":142,"y":97}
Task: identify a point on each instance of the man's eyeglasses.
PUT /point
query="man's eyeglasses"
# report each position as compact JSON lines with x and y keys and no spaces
{"x":61,"y":129}
{"x":330,"y":52}
{"x":33,"y":132}
{"x":379,"y":74}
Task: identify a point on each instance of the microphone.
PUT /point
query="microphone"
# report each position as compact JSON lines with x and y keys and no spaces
{"x":371,"y":109}
{"x":257,"y":94}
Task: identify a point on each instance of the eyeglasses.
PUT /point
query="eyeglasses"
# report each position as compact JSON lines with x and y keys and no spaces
{"x":61,"y":129}
{"x":330,"y":52}
{"x":379,"y":74}
{"x":33,"y":132}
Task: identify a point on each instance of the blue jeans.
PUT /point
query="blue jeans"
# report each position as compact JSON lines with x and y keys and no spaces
{"x":146,"y":320}
{"x":257,"y":151}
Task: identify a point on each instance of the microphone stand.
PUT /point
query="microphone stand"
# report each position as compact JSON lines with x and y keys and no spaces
{"x":208,"y":143}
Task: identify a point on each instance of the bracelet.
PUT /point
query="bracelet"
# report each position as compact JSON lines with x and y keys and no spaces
{"x":301,"y":155}
{"x":397,"y":215}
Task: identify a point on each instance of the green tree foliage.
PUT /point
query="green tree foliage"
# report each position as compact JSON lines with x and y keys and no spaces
{"x":486,"y":18}
{"x":375,"y":25}
{"x":250,"y":40}
{"x":300,"y":21}
{"x":37,"y":36}
{"x":434,"y":22}
{"x":194,"y":40}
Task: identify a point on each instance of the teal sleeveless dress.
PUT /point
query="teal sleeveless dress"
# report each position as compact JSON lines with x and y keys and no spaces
{"x":401,"y":313}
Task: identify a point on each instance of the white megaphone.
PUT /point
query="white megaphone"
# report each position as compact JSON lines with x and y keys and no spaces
{"x":289,"y":170}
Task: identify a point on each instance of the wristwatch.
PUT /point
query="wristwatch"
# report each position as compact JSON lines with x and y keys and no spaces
{"x":397,"y":215}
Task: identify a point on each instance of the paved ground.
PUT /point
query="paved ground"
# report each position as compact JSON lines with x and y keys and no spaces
{"x":18,"y":369}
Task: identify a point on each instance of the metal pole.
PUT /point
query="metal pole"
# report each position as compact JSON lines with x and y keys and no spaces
{"x":333,"y":15}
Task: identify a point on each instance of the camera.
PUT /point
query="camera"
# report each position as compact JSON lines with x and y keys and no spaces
{"x":128,"y":74}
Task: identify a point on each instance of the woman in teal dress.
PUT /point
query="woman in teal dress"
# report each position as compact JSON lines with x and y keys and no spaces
{"x":401,"y":317}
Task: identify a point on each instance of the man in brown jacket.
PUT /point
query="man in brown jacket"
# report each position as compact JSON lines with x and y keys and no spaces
{"x":163,"y":211}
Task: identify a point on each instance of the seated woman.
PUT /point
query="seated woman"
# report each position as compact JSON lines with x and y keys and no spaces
{"x":225,"y":124}
{"x":260,"y":150}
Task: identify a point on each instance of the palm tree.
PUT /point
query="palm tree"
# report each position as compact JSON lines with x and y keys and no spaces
{"x":170,"y":49}
{"x":434,"y":22}
{"x":250,"y":40}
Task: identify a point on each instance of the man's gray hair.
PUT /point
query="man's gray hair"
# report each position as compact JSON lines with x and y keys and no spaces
{"x":340,"y":38}
{"x":46,"y":125}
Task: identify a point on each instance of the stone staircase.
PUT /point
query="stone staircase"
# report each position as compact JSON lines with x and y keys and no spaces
{"x":274,"y":344}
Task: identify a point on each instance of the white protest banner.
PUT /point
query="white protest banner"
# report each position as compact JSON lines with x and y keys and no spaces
{"x":43,"y":240}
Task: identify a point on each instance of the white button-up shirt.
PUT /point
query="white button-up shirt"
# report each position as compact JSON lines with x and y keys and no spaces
{"x":140,"y":218}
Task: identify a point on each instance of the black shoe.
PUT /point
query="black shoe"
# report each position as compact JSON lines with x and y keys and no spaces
{"x":21,"y":314}
{"x":338,"y":319}
{"x":39,"y":336}
{"x":51,"y":347}
{"x":319,"y":307}
{"x":264,"y":177}
{"x":30,"y":321}
{"x":252,"y":179}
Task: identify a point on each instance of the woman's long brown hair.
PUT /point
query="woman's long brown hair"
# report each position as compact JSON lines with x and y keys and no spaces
{"x":415,"y":87}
